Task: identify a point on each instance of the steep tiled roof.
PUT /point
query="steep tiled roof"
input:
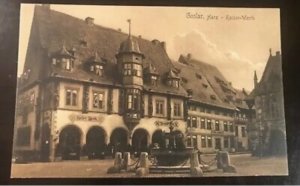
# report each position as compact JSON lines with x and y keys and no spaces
{"x":206,"y":82}
{"x":271,"y":80}
{"x":51,"y":30}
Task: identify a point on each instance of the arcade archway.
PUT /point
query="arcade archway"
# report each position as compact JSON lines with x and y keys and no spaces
{"x":140,"y":140}
{"x":95,"y":142}
{"x":69,"y":142}
{"x":118,"y":140}
{"x":158,"y":138}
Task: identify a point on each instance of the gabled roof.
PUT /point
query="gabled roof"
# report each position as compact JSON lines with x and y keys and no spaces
{"x":51,"y":29}
{"x":271,"y":80}
{"x":206,"y":82}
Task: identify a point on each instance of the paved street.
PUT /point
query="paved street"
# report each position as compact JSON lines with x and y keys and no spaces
{"x":245,"y":164}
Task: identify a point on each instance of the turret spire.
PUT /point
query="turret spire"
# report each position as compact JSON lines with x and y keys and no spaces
{"x":129,"y":24}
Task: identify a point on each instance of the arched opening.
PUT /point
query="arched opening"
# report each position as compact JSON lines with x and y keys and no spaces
{"x":118,"y":140}
{"x":95,"y":143}
{"x":179,"y":139}
{"x":158,"y":139}
{"x":69,"y":142}
{"x":140,"y":141}
{"x":45,"y":142}
{"x":277,"y":143}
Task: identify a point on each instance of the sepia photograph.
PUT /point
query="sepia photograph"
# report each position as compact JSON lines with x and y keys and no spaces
{"x":148,"y":91}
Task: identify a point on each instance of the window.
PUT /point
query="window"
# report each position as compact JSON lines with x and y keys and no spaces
{"x":194,"y":122}
{"x":133,"y":99}
{"x":217,"y":126}
{"x":189,"y":124}
{"x":193,"y":107}
{"x":154,"y":80}
{"x":177,"y":109}
{"x":159,"y":107}
{"x":243,"y":132}
{"x":189,"y":141}
{"x":98,"y":100}
{"x":231,"y":127}
{"x":225,"y":126}
{"x":92,"y":68}
{"x":68,"y":63}
{"x":203,"y":123}
{"x":226,"y":142}
{"x":209,"y":141}
{"x":202,"y":109}
{"x":127,"y":70}
{"x":99,"y":70}
{"x":54,"y":61}
{"x":208,"y":124}
{"x":236,"y":131}
{"x":195,"y":145}
{"x":71,"y":97}
{"x":203,"y":141}
{"x":208,"y":111}
{"x":173,"y":83}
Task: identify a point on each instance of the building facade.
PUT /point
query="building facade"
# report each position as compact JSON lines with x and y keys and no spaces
{"x":90,"y":90}
{"x":268,"y":130}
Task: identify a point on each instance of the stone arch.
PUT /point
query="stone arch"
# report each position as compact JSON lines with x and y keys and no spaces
{"x":119,"y":140}
{"x":70,"y":139}
{"x":277,"y":142}
{"x":140,"y":140}
{"x":158,"y":137}
{"x":96,"y":138}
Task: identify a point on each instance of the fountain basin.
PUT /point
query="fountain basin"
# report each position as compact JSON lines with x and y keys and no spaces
{"x":171,"y":157}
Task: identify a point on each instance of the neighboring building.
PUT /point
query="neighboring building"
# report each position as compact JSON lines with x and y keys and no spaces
{"x":91,"y":90}
{"x":217,"y":115}
{"x":267,"y":99}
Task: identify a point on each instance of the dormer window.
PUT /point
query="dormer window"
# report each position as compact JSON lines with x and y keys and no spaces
{"x":173,"y":79}
{"x":64,"y":59}
{"x":154,"y":80}
{"x":96,"y":65}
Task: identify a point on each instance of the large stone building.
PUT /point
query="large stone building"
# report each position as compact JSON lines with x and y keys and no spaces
{"x":91,"y":90}
{"x":268,"y":130}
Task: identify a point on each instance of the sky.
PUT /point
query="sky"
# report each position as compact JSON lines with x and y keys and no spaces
{"x":235,"y":40}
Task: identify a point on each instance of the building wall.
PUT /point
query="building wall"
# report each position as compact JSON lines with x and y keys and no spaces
{"x":27,"y":99}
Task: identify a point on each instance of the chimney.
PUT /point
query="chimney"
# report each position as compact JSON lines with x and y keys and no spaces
{"x":230,"y":83}
{"x":119,"y":30}
{"x":140,"y":36}
{"x":278,"y":53}
{"x":89,"y":21}
{"x":189,"y":56}
{"x":163,"y":44}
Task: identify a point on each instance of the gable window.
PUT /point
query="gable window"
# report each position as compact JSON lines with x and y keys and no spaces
{"x":208,"y":124}
{"x":225,"y":126}
{"x":71,"y":97}
{"x":67,"y":64}
{"x":203,"y":123}
{"x":231,"y":127}
{"x":189,"y":123}
{"x":177,"y":109}
{"x":159,"y":107}
{"x":194,"y":122}
{"x":209,"y":141}
{"x":98,"y":100}
{"x":243,"y":132}
{"x":226,"y":142}
{"x":203,"y":141}
{"x":217,"y":126}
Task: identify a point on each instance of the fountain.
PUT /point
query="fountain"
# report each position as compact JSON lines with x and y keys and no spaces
{"x":173,"y":152}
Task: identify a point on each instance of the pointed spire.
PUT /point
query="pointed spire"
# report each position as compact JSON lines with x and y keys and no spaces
{"x":129,"y":24}
{"x":255,"y":79}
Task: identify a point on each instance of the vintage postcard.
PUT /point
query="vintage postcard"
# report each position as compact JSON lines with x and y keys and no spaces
{"x":137,"y":91}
